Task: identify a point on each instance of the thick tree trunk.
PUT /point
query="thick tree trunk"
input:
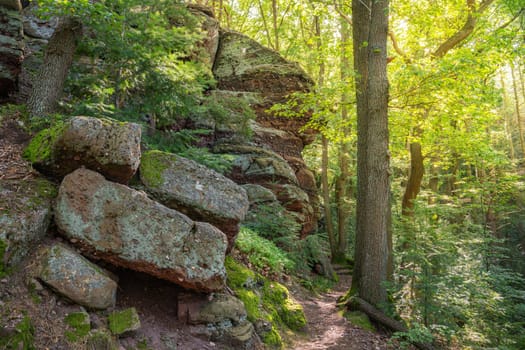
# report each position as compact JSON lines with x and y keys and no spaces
{"x":58,"y":57}
{"x":414,"y":179}
{"x":373,"y":154}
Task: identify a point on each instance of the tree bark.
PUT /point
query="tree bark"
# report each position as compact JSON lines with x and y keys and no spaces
{"x":343,"y":180}
{"x":325,"y":188}
{"x":466,"y":30}
{"x":414,"y":179}
{"x":507,"y":119}
{"x":518,"y":112}
{"x":370,"y":35}
{"x":275,"y":26}
{"x":58,"y":57}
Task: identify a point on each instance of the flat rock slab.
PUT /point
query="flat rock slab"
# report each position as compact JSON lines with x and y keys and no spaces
{"x":75,"y":277}
{"x":25,"y":216}
{"x":124,"y":227}
{"x":104,"y":145}
{"x":195,"y":190}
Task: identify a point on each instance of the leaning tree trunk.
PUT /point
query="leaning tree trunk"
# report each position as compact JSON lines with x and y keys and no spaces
{"x":58,"y":57}
{"x":372,"y":252}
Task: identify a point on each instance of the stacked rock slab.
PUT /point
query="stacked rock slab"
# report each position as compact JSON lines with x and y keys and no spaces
{"x":244,"y":66}
{"x":11,"y":46}
{"x":123,"y":226}
{"x":195,"y":190}
{"x":103,"y":145}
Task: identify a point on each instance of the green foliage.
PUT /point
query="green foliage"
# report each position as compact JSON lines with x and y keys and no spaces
{"x":137,"y":58}
{"x":23,"y":339}
{"x":273,"y":222}
{"x":262,"y":253}
{"x":416,"y":334}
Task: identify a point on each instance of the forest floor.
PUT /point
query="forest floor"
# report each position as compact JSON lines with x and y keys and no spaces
{"x":327,"y":329}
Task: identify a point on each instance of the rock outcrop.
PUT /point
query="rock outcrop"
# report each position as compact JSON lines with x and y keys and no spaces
{"x":11,"y":46}
{"x":112,"y":222}
{"x":74,"y":277}
{"x":25,"y":215}
{"x":107,"y":146}
{"x":195,"y":190}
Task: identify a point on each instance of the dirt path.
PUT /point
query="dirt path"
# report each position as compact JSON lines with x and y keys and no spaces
{"x":326,"y":327}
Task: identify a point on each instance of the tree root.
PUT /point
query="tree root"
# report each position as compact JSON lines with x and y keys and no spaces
{"x":378,"y":316}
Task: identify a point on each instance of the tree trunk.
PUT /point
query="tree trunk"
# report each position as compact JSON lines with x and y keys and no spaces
{"x":518,"y":112}
{"x":58,"y":57}
{"x":414,"y":179}
{"x":326,"y":197}
{"x":275,"y":26}
{"x":370,"y":55}
{"x":506,"y":119}
{"x":342,"y":183}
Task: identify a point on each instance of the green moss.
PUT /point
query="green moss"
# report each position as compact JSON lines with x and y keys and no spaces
{"x":359,"y":319}
{"x":124,"y":321}
{"x":101,"y":339}
{"x":40,"y":149}
{"x":23,"y":338}
{"x":273,"y":339}
{"x":80,"y":325}
{"x":152,"y":165}
{"x":269,"y":301}
{"x":238,"y":275}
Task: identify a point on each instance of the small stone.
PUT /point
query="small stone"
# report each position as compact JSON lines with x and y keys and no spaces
{"x":124,"y":321}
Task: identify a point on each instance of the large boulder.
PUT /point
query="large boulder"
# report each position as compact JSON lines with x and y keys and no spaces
{"x":107,"y":146}
{"x":11,"y":46}
{"x":25,"y":215}
{"x":112,"y":222}
{"x":242,"y":64}
{"x":195,"y":190}
{"x":76,"y":278}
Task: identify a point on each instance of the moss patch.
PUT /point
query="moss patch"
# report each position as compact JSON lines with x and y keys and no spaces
{"x":265,"y":300}
{"x":124,"y":321}
{"x":359,"y":319}
{"x":23,"y":338}
{"x":80,"y":325}
{"x":41,"y":147}
{"x":152,"y":165}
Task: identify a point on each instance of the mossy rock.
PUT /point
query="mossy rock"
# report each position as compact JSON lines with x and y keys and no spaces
{"x":359,"y":319}
{"x":265,"y":301}
{"x":101,"y":339}
{"x":80,"y":325}
{"x":124,"y":321}
{"x":152,"y":165}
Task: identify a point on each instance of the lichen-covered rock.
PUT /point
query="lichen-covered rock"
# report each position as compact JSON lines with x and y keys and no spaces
{"x":74,"y":277}
{"x":36,"y":27}
{"x":101,"y":339}
{"x":25,"y":215}
{"x":257,"y":165}
{"x":124,"y":321}
{"x":195,"y":190}
{"x":107,"y":146}
{"x":221,"y":308}
{"x":210,"y":27}
{"x":124,"y":227}
{"x":11,"y":46}
{"x":242,"y":64}
{"x":259,"y":194}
